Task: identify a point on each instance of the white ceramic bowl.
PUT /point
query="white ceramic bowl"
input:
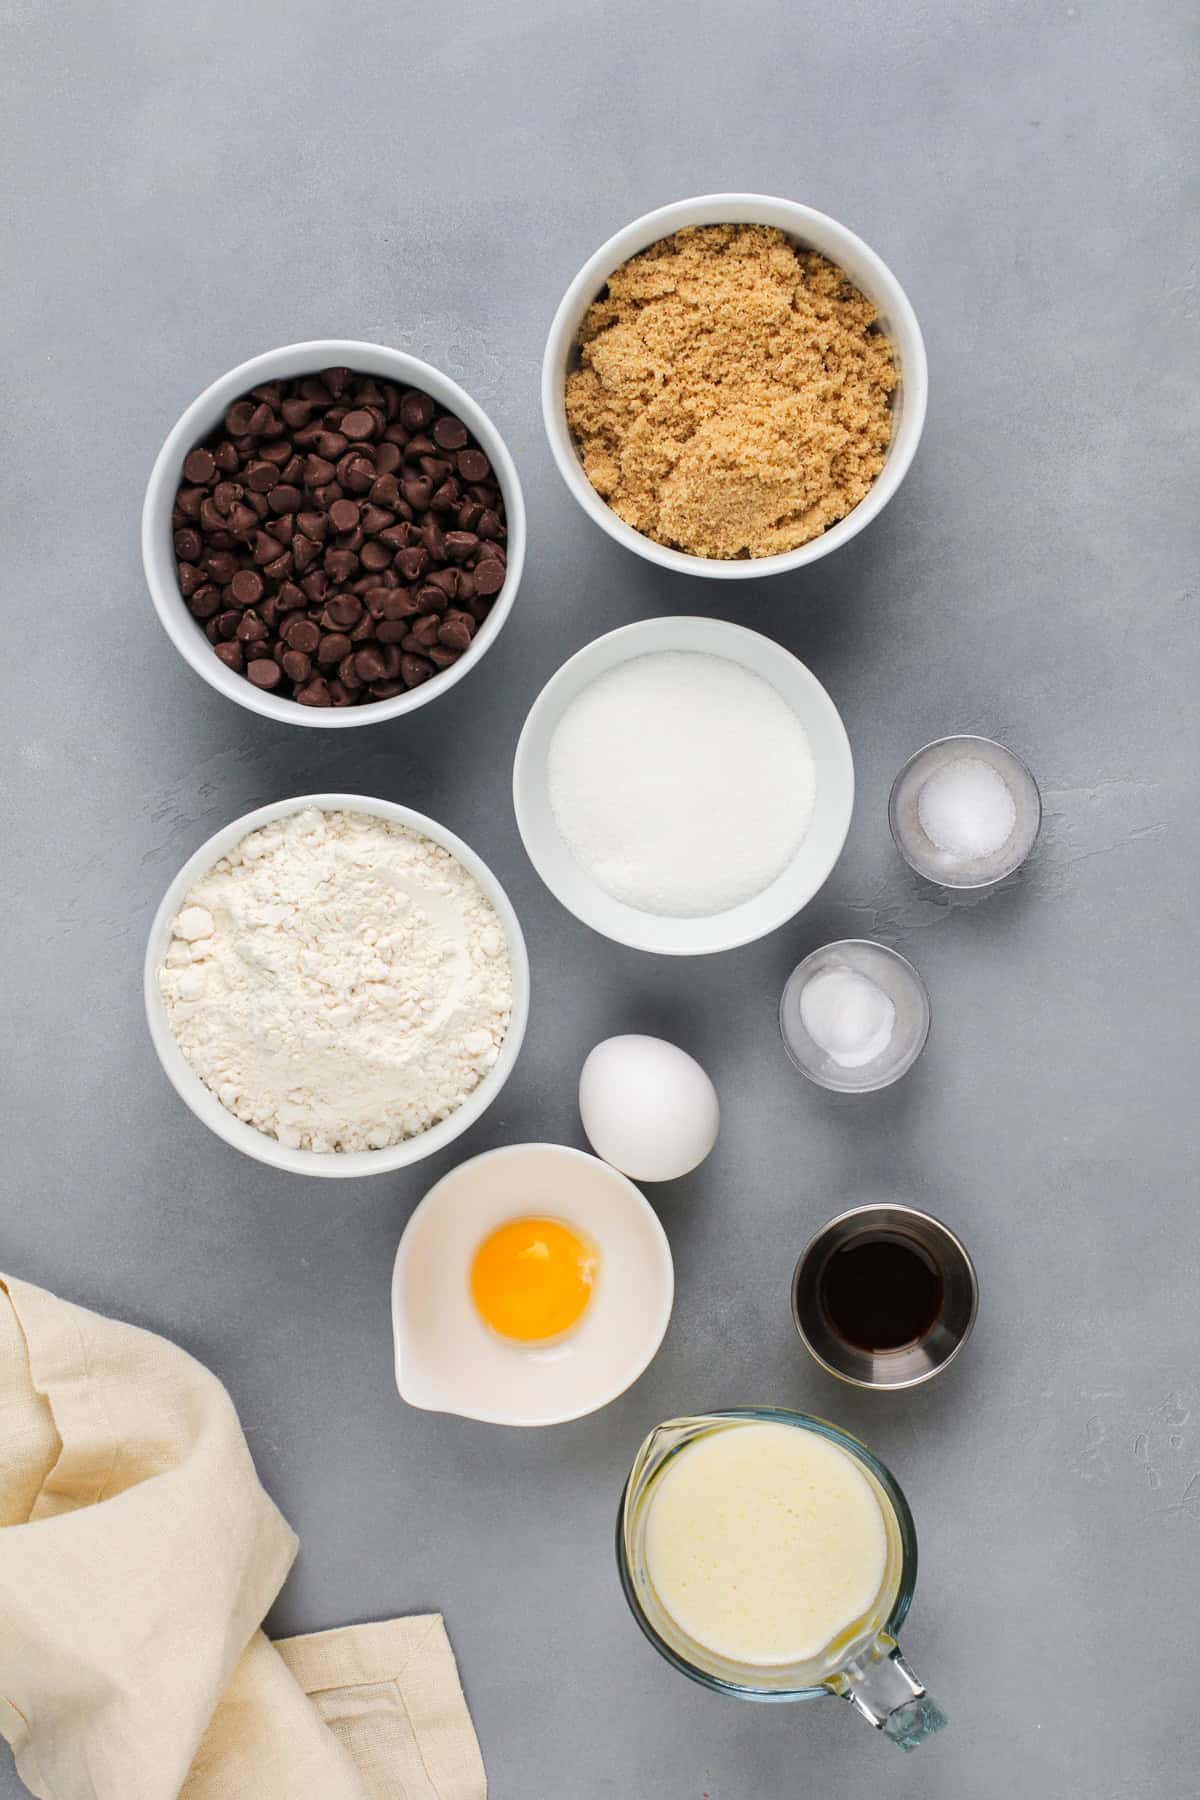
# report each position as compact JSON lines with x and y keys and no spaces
{"x":814,"y":231}
{"x":244,"y":1137}
{"x":791,"y":890}
{"x":448,"y":1360}
{"x":204,"y":413}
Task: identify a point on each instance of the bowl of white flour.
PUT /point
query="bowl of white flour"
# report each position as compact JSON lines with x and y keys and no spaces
{"x":683,"y":785}
{"x":336,"y":985}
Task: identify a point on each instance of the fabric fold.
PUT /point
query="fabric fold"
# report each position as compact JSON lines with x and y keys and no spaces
{"x":138,"y":1557}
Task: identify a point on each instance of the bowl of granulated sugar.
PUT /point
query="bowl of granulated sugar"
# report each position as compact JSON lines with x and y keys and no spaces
{"x":683,"y":785}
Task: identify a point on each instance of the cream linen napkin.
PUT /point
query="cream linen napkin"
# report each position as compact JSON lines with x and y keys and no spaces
{"x":138,"y":1555}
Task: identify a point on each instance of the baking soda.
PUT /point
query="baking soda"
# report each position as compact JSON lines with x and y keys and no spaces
{"x":966,"y":809}
{"x":682,"y":783}
{"x":847,"y":1015}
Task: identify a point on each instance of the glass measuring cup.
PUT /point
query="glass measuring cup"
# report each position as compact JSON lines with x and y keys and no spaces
{"x":862,"y":1664}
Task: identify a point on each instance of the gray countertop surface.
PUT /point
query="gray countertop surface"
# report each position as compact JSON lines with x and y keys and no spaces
{"x":186,"y":187}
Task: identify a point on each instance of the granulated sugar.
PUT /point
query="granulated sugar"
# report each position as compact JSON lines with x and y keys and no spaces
{"x":682,"y":783}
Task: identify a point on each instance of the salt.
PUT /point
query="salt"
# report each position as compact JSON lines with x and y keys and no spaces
{"x":682,"y":783}
{"x":966,"y":809}
{"x":847,"y":1015}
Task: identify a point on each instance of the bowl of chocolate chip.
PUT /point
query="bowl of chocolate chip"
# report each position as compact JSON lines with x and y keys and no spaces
{"x":333,"y":533}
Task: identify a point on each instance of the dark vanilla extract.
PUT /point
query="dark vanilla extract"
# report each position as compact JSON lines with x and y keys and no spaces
{"x":881,"y":1293}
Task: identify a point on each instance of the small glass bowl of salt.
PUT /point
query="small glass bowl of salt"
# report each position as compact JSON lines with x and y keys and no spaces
{"x":964,"y":812}
{"x":854,"y":1016}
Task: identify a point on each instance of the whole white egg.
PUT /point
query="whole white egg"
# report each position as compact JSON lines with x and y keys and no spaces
{"x":648,"y":1108}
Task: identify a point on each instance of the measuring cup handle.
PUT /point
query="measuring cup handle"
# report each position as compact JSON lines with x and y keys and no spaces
{"x":882,"y":1688}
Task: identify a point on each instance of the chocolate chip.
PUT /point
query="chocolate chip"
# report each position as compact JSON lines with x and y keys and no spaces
{"x":473,"y":465}
{"x":360,"y":476}
{"x":314,"y":693}
{"x":400,"y":604}
{"x":321,"y":495}
{"x":246,"y":587}
{"x":341,"y":565}
{"x":416,"y":410}
{"x":450,"y":433}
{"x":332,"y":648}
{"x":303,"y":551}
{"x":263,"y":422}
{"x":412,"y":562}
{"x":427,"y":630}
{"x":489,"y":576}
{"x":222,"y":565}
{"x":343,"y":515}
{"x":302,"y":634}
{"x":447,"y":581}
{"x":264,"y":672}
{"x":456,"y":631}
{"x":345,"y":609}
{"x":204,"y":602}
{"x":198,"y":465}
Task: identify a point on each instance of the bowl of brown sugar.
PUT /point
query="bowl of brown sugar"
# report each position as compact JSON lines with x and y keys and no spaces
{"x":734,"y":385}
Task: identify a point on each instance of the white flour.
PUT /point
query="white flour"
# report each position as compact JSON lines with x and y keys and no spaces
{"x":682,"y":783}
{"x":338,"y":982}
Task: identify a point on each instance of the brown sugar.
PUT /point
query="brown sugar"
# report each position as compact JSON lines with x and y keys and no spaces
{"x":734,"y":392}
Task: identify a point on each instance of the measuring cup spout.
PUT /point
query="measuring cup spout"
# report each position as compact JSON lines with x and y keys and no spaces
{"x":882,"y":1688}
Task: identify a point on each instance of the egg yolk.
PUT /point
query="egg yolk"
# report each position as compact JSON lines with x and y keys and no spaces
{"x":532,"y":1279}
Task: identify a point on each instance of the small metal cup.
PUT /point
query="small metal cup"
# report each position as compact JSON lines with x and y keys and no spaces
{"x":912,"y":1364}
